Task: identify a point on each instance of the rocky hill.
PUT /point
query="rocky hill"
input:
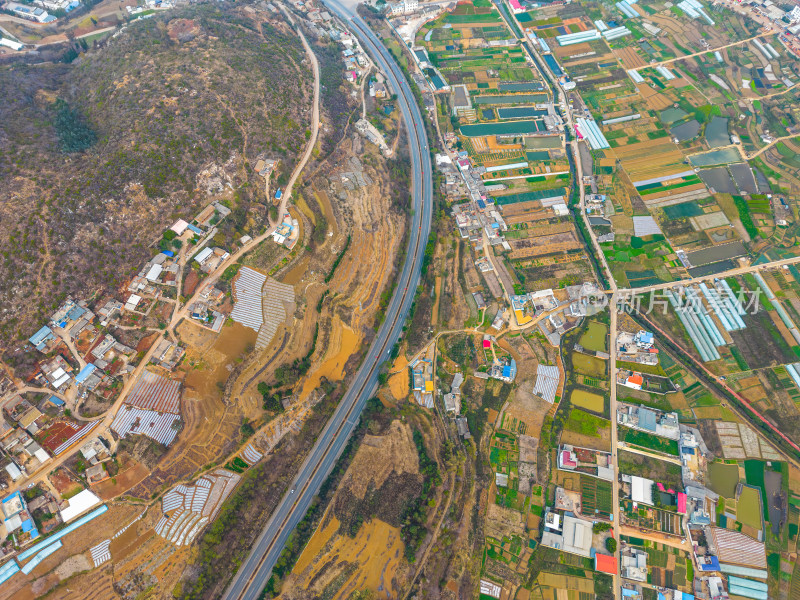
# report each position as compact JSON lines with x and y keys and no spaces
{"x":98,"y":156}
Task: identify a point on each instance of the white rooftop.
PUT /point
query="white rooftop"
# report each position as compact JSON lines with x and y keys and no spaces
{"x":79,"y":504}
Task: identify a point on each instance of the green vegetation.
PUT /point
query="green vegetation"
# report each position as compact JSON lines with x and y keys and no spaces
{"x":230,"y":272}
{"x":339,"y":258}
{"x":75,"y":134}
{"x":596,"y":496}
{"x":754,"y":475}
{"x":415,"y":514}
{"x":586,"y":423}
{"x":745,"y":217}
{"x":237,"y":465}
{"x":649,"y":441}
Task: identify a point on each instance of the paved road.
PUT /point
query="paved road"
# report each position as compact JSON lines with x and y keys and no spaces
{"x":255,"y":571}
{"x":612,"y":413}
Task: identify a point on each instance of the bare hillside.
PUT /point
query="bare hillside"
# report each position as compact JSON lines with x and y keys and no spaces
{"x":97,"y":157}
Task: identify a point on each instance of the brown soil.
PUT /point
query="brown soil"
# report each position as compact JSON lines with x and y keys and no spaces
{"x":146,"y":342}
{"x":373,"y":560}
{"x":133,"y":473}
{"x":210,"y":425}
{"x":380,"y":456}
{"x":190,"y":283}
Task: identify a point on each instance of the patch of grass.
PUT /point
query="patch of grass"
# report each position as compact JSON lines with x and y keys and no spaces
{"x":649,"y":441}
{"x":586,"y":423}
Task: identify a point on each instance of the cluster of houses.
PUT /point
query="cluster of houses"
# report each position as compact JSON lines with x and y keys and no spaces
{"x":324,"y":26}
{"x":287,"y":232}
{"x":637,"y":347}
{"x":101,"y":357}
{"x":37,"y":14}
{"x":83,"y":359}
{"x":726,"y":560}
{"x":206,"y":309}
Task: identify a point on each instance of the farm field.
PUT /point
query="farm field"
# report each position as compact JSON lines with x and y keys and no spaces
{"x":681,"y":131}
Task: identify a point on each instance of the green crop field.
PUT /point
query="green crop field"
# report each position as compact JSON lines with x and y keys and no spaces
{"x":586,"y":423}
{"x":649,"y":441}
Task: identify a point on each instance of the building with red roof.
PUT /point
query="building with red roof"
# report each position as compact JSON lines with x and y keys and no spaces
{"x":605,"y":564}
{"x":682,"y":503}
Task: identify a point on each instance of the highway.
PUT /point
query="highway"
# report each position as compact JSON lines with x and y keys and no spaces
{"x":254,"y":573}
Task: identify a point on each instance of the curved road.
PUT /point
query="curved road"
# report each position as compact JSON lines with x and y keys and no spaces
{"x":254,"y":573}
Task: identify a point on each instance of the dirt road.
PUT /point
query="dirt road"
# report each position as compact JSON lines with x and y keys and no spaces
{"x":702,"y":52}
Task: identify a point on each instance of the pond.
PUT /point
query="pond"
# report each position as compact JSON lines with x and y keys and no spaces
{"x":588,"y":365}
{"x":594,"y":338}
{"x":685,"y":131}
{"x":719,"y":180}
{"x":744,"y":178}
{"x":550,"y":141}
{"x":521,"y":112}
{"x":748,"y":507}
{"x":671,"y":115}
{"x":717,"y":132}
{"x":508,"y":128}
{"x":716,"y":157}
{"x":520,"y":86}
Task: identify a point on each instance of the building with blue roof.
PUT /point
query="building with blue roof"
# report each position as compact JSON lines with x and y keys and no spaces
{"x":674,"y":595}
{"x":709,"y":563}
{"x":505,"y":373}
{"x":16,"y":516}
{"x":76,"y":312}
{"x":169,"y":253}
{"x":42,"y":338}
{"x":81,"y":377}
{"x":194,"y":229}
{"x":56,"y":401}
{"x":647,"y":419}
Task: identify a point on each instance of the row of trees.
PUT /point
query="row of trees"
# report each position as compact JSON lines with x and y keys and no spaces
{"x":414,"y":517}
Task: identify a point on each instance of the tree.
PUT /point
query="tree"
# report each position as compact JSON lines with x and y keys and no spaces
{"x":75,"y":134}
{"x":611,"y":545}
